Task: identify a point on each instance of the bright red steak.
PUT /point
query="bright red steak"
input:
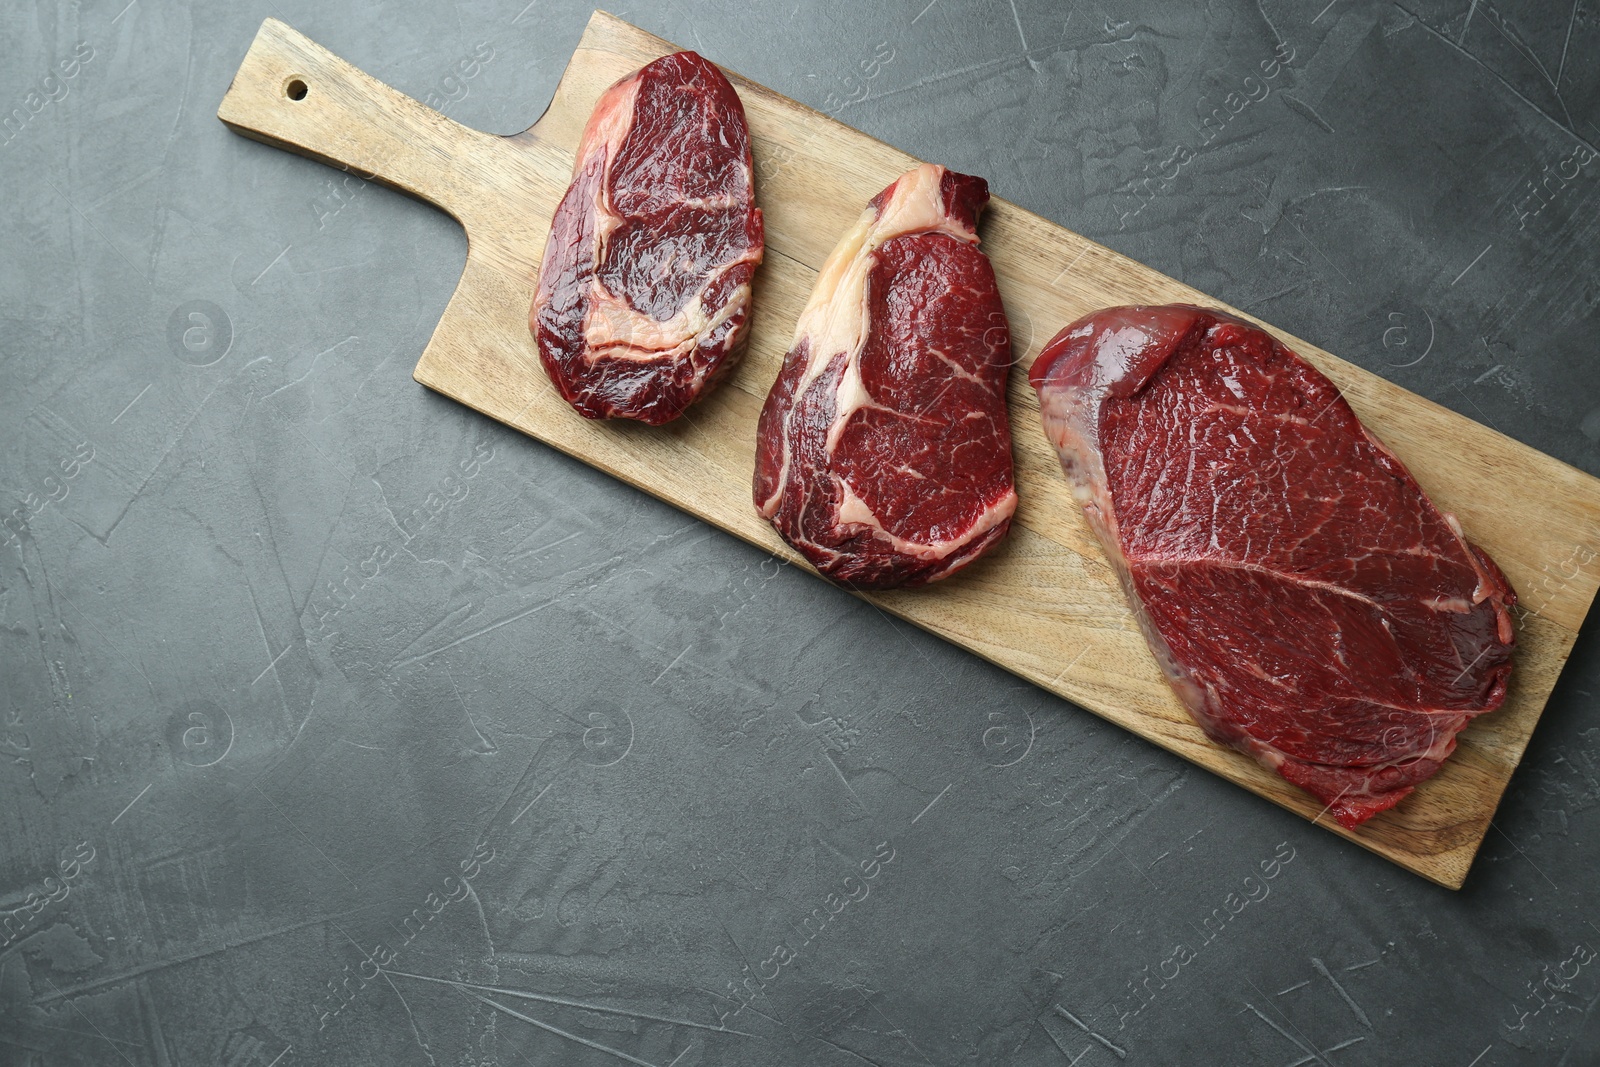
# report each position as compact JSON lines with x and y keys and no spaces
{"x":883,"y":454}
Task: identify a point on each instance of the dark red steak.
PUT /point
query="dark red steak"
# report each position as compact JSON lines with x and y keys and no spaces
{"x":883,"y":454}
{"x":644,"y":293}
{"x":1307,"y":601}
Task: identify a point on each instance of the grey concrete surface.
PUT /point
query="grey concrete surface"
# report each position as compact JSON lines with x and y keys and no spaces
{"x":343,"y":726}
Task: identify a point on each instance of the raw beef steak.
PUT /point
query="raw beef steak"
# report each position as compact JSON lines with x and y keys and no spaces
{"x":644,"y":293}
{"x":884,"y":452}
{"x":1307,"y":601}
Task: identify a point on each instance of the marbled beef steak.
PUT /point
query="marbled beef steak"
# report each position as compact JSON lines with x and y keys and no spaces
{"x":1307,"y":601}
{"x":644,"y":293}
{"x":883,"y":454}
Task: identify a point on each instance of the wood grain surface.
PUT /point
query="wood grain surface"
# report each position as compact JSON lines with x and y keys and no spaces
{"x":1045,"y":605}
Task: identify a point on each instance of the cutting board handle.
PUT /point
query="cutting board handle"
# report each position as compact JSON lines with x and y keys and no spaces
{"x":293,"y":93}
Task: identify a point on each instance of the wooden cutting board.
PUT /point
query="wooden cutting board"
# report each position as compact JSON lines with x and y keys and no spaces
{"x":1045,"y":605}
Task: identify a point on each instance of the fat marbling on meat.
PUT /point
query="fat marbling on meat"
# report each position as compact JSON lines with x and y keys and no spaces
{"x":1306,"y":600}
{"x":643,"y":299}
{"x":883,"y":453}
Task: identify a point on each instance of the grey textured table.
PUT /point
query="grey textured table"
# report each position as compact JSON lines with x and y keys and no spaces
{"x":344,"y":726}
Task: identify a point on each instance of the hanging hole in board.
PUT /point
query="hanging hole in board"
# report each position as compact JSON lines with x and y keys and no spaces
{"x":295,"y":89}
